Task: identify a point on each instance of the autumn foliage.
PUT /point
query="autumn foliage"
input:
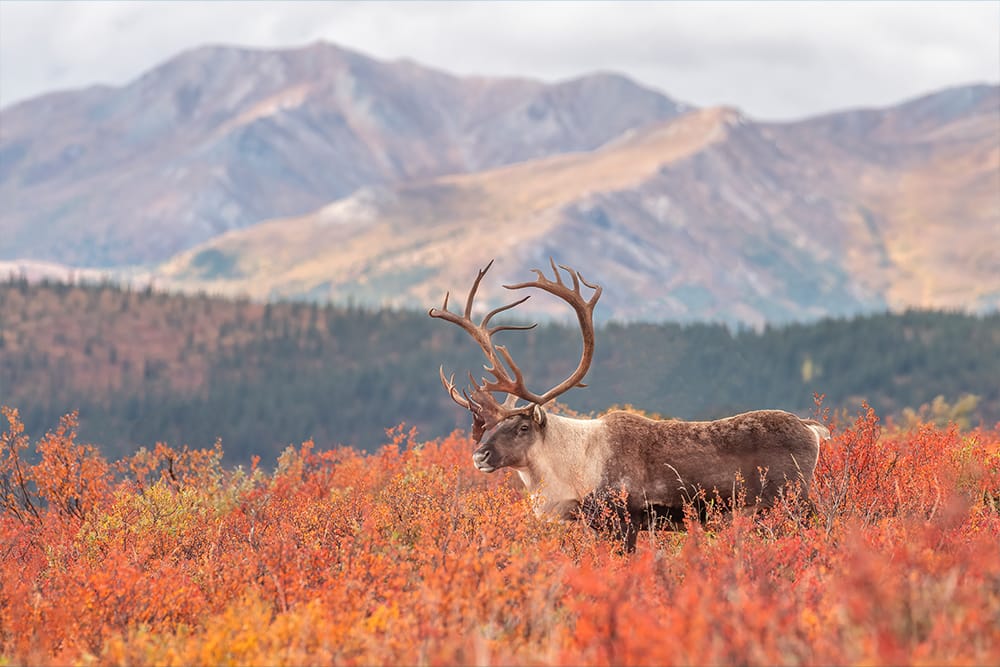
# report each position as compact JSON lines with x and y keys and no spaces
{"x":410,"y":556}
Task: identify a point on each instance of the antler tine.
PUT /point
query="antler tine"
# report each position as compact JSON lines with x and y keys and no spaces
{"x":537,"y":272}
{"x":501,"y":381}
{"x":585,"y":316}
{"x":474,"y":407}
{"x":472,"y":380}
{"x":555,"y":270}
{"x":518,"y":376}
{"x":584,"y":281}
{"x":478,"y":333}
{"x":485,"y":388}
{"x":499,"y":310}
{"x":449,"y":385}
{"x":575,"y":275}
{"x":513,"y":327}
{"x":576,"y":286}
{"x":475,"y":288}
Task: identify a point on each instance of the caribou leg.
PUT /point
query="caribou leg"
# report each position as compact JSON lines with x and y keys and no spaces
{"x":607,"y":512}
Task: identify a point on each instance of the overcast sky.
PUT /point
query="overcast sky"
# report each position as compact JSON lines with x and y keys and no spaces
{"x":773,"y":60}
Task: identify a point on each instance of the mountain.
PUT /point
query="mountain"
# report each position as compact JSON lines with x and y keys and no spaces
{"x":220,"y":138}
{"x":319,"y":173}
{"x":705,"y":215}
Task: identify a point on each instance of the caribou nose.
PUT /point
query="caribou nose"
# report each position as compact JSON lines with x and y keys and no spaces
{"x":481,"y":457}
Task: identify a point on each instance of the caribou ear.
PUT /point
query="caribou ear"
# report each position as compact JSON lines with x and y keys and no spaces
{"x":538,"y":414}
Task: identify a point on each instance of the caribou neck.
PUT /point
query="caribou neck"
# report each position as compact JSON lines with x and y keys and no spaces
{"x":568,"y":462}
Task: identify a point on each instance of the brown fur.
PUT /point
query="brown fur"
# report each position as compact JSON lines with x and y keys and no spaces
{"x":665,"y":462}
{"x":638,"y":467}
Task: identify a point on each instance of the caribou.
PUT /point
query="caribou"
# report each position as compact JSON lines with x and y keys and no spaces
{"x":621,"y":472}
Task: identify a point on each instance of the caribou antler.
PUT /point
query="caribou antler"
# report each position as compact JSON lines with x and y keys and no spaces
{"x":480,"y":401}
{"x":585,"y":315}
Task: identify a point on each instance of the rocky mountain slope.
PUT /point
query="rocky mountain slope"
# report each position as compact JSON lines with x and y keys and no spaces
{"x":708,"y":215}
{"x":220,"y":138}
{"x":319,"y":173}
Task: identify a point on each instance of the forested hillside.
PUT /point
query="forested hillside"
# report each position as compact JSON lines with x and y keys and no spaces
{"x":143,"y":366}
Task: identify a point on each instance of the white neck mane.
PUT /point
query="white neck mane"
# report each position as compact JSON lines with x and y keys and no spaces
{"x":567,"y":464}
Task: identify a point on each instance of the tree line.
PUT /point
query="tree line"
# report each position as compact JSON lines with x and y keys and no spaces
{"x":142,"y":366}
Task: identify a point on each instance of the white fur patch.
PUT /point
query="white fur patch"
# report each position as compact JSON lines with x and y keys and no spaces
{"x":568,"y":463}
{"x":822,"y":433}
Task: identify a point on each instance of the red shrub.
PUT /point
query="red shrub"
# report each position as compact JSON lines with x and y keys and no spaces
{"x":409,"y":556}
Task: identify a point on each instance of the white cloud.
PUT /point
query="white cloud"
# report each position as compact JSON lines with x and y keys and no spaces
{"x":774,"y":60}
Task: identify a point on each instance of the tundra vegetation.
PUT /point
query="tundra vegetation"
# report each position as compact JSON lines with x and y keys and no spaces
{"x":408,"y":555}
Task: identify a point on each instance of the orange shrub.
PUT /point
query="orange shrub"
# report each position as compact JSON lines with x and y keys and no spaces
{"x":409,"y":556}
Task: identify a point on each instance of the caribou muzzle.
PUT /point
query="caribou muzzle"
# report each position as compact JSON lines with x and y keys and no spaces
{"x":485,"y":459}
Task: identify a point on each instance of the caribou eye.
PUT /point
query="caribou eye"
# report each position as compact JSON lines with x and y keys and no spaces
{"x":523,"y":428}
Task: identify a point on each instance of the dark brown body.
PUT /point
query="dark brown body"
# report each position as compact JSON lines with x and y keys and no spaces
{"x":621,"y":471}
{"x":661,"y":465}
{"x":665,"y":460}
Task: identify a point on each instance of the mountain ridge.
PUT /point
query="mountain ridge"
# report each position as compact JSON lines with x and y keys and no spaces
{"x":805,"y":225}
{"x":319,"y":173}
{"x":219,"y":138}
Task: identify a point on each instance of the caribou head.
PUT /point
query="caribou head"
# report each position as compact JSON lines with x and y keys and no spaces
{"x":505,"y":432}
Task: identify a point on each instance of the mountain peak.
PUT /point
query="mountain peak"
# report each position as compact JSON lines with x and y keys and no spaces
{"x":707,"y":215}
{"x":317,"y":172}
{"x":221,"y":137}
{"x":945,"y":106}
